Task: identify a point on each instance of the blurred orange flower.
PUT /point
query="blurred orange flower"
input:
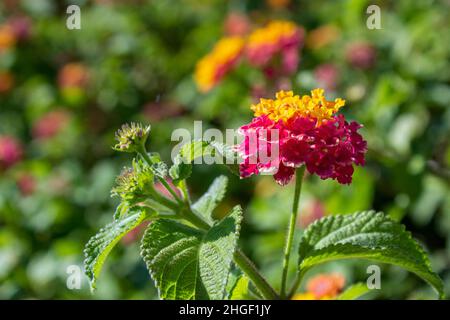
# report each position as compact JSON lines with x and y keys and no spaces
{"x":322,"y":36}
{"x":278,"y":4}
{"x":6,"y":81}
{"x":7,"y":37}
{"x":322,"y":287}
{"x":73,"y":75}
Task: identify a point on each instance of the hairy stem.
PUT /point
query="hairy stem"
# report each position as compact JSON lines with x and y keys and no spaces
{"x":258,"y":280}
{"x":291,"y":229}
{"x":144,"y":155}
{"x":297,"y":281}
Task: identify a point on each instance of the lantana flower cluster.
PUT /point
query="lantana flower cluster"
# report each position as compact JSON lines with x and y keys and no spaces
{"x":309,"y":133}
{"x":262,"y":48}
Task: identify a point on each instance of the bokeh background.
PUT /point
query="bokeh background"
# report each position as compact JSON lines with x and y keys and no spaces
{"x":64,"y":92}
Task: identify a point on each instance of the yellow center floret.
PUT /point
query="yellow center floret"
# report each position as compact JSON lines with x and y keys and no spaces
{"x":287,"y":106}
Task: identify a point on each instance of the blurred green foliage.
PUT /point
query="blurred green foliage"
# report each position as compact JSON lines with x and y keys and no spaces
{"x":134,"y":60}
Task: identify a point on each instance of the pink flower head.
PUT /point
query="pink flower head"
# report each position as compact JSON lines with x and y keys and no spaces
{"x":292,"y":131}
{"x":11,"y":151}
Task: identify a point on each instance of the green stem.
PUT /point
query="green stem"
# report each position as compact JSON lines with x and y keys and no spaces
{"x":291,"y":230}
{"x":258,"y":280}
{"x":297,"y":281}
{"x":185,"y":191}
{"x":144,"y":155}
{"x":165,"y":201}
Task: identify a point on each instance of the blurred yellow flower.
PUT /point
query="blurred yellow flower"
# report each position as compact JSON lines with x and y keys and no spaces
{"x":272,"y":34}
{"x":213,"y":67}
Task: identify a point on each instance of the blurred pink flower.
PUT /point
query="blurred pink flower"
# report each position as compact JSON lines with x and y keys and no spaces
{"x":26,"y":183}
{"x":236,"y":24}
{"x":361,"y":55}
{"x":50,"y":124}
{"x":327,"y":76}
{"x":21,"y":27}
{"x":11,"y":151}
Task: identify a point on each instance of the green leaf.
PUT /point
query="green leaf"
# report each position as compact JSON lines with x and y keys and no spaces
{"x":223,"y":154}
{"x":240,"y":291}
{"x":354,"y":292}
{"x":180,"y":170}
{"x":99,"y":246}
{"x":208,"y":202}
{"x":367,"y":235}
{"x":186,"y":263}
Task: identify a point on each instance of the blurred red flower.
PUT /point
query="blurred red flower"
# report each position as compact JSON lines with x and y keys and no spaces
{"x":51,"y":124}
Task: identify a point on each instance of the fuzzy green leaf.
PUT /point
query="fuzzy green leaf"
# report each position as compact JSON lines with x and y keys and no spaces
{"x":209,"y":201}
{"x":368,"y":235}
{"x":222,"y":153}
{"x":186,"y":263}
{"x":99,"y":246}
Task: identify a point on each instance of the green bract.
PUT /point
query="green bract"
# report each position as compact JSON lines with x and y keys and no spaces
{"x":134,"y":184}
